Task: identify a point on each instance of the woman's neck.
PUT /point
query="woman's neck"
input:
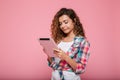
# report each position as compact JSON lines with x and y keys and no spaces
{"x":69,"y":37}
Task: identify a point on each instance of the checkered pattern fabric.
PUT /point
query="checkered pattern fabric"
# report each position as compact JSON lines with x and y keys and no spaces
{"x":79,"y":51}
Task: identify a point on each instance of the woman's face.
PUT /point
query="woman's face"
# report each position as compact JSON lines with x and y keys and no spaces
{"x":66,"y":24}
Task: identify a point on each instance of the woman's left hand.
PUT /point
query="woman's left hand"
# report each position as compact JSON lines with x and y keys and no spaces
{"x":60,"y":53}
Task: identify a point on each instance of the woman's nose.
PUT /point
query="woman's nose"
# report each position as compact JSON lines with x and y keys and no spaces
{"x":62,"y":25}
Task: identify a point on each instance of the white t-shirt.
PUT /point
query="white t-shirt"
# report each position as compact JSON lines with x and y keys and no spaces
{"x":67,"y":75}
{"x":65,"y":45}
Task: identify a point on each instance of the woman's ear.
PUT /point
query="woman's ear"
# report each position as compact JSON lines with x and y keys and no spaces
{"x":74,"y":20}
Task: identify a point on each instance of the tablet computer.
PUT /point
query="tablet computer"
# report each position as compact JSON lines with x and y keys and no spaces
{"x":48,"y":44}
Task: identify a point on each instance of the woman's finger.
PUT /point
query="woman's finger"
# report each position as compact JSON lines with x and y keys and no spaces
{"x":57,"y":50}
{"x":43,"y":49}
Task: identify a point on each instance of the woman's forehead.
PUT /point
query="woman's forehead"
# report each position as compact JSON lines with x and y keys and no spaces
{"x":63,"y":17}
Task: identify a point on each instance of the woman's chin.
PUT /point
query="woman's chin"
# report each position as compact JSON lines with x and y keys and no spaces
{"x":66,"y":32}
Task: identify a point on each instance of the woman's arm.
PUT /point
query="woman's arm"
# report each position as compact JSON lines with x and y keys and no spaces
{"x":51,"y":61}
{"x":79,"y":65}
{"x":63,"y":56}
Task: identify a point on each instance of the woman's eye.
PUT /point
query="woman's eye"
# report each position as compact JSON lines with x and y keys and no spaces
{"x":66,"y":22}
{"x":60,"y":24}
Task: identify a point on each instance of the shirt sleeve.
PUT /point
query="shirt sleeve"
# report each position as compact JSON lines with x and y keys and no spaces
{"x":84,"y":55}
{"x":54,"y":65}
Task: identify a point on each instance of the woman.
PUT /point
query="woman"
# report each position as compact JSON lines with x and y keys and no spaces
{"x":73,"y":52}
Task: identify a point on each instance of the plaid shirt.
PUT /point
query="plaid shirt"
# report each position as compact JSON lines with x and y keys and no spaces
{"x":79,"y":51}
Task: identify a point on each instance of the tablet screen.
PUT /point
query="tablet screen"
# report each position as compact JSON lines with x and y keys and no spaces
{"x":48,"y":44}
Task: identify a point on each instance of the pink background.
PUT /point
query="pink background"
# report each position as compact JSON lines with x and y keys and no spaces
{"x":22,"y":22}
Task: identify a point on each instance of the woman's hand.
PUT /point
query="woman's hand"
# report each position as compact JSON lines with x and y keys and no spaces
{"x":60,"y":53}
{"x":63,"y":56}
{"x":49,"y":58}
{"x":44,"y":50}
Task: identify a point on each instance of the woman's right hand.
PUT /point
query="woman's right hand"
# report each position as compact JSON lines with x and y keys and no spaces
{"x":44,"y":50}
{"x":49,"y":58}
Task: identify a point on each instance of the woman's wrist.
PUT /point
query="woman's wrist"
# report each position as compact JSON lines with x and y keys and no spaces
{"x":66,"y":58}
{"x":49,"y":59}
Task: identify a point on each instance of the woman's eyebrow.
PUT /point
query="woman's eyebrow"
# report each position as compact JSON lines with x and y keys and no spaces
{"x":65,"y":20}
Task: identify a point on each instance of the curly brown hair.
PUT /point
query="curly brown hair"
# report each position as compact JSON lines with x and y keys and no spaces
{"x":56,"y":33}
